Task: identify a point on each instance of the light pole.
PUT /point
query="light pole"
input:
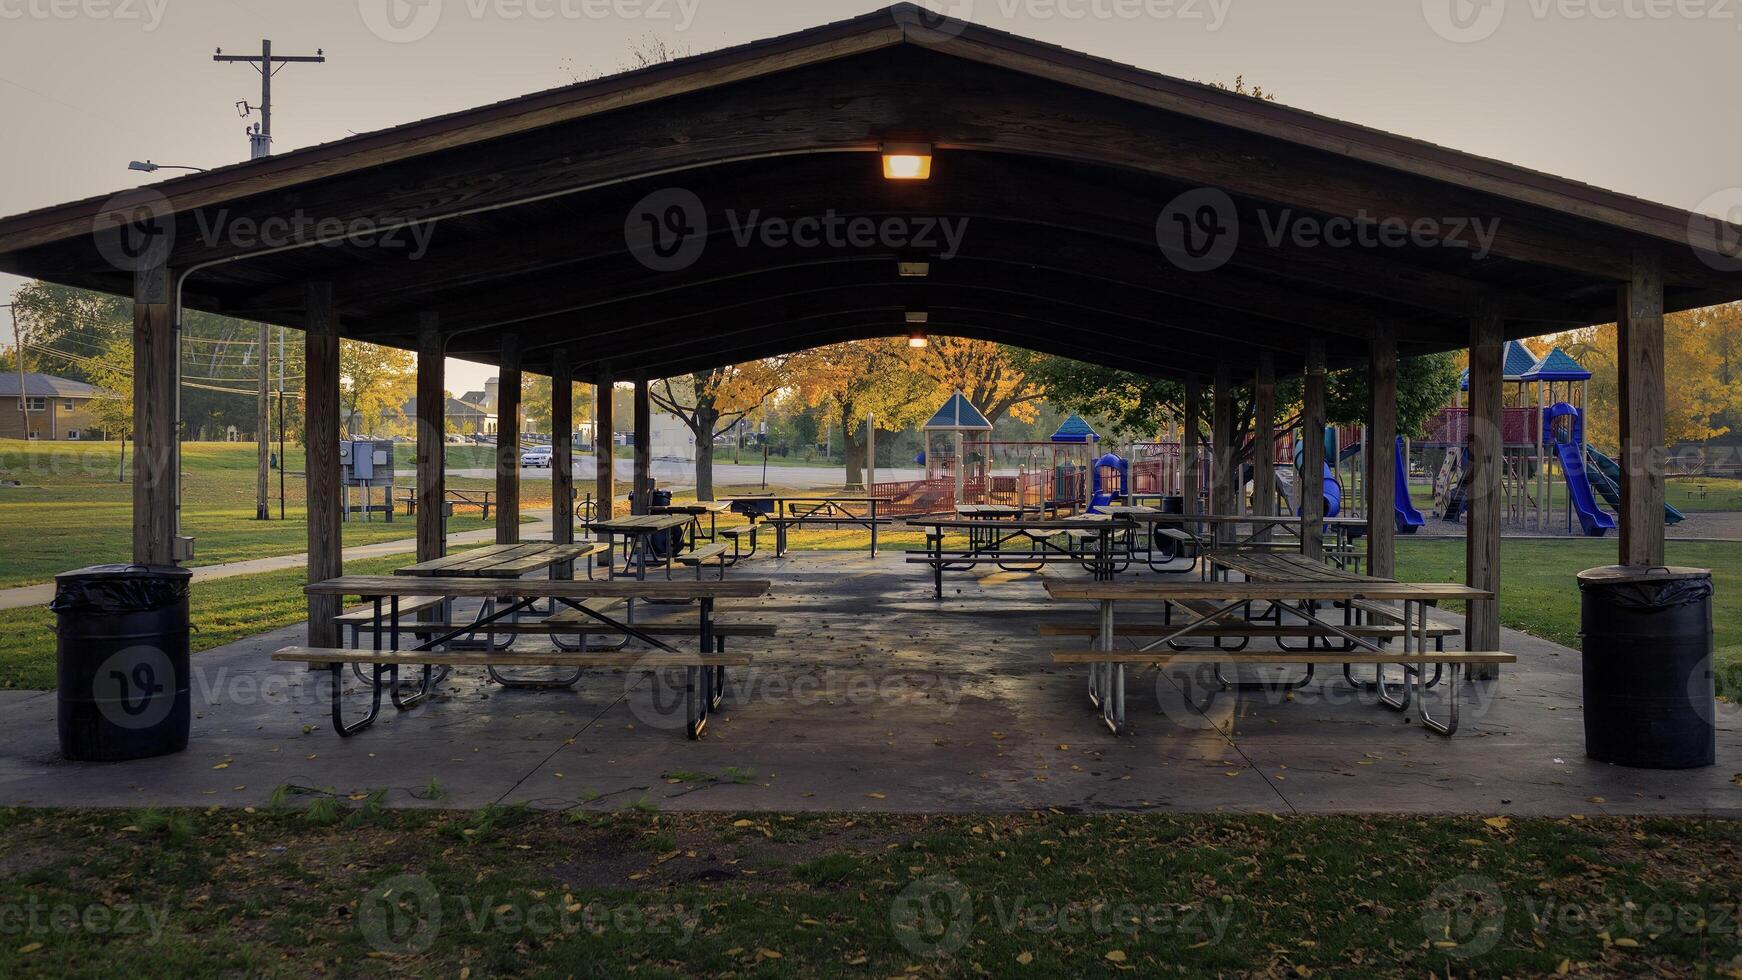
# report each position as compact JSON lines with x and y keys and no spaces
{"x":147,"y":166}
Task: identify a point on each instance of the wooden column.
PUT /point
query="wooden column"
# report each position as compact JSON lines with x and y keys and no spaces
{"x":321,"y":458}
{"x":1224,"y":498}
{"x":508,"y":442}
{"x":1482,"y":532}
{"x":432,"y":403}
{"x":643,"y":409}
{"x":1311,"y":480}
{"x":156,"y":450}
{"x":1264,"y":439}
{"x":604,"y":454}
{"x":562,"y":448}
{"x":1189,"y":444}
{"x":1381,"y":452}
{"x":1640,"y":361}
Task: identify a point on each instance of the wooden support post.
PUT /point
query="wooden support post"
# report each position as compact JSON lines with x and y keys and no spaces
{"x":1311,"y":479}
{"x":643,"y":408}
{"x":1381,"y":451}
{"x":321,"y":458}
{"x":156,"y":449}
{"x":1189,"y":445}
{"x":604,"y":452}
{"x":1224,"y":497}
{"x":1483,"y":483}
{"x":262,"y":428}
{"x":1639,"y":358}
{"x":508,"y":442}
{"x":1264,"y":440}
{"x":562,"y":448}
{"x":432,"y":399}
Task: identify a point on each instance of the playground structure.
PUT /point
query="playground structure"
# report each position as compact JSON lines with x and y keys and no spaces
{"x":1550,"y":475}
{"x":964,"y":465}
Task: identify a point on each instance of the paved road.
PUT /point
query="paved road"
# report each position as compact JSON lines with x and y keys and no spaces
{"x":681,"y":474}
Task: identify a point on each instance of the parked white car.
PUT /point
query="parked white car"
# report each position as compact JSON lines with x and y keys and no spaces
{"x":538,"y":456}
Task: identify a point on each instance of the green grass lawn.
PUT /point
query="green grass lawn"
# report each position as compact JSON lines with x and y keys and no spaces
{"x":223,"y":611}
{"x":1539,"y":591}
{"x":345,"y":887}
{"x":71,"y":512}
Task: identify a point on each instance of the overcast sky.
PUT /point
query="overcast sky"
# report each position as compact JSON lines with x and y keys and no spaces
{"x":1634,"y":95}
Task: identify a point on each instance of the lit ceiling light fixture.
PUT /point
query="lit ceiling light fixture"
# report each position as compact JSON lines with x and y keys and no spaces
{"x":917,"y":319}
{"x":907,"y":161}
{"x":912,"y":269}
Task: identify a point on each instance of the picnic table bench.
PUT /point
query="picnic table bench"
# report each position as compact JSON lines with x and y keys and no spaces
{"x":481,"y":499}
{"x":1211,"y":603}
{"x":704,"y":666}
{"x":785,"y":512}
{"x":1017,"y":545}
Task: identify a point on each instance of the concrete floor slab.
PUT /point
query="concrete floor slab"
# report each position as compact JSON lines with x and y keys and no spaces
{"x":877,"y":696}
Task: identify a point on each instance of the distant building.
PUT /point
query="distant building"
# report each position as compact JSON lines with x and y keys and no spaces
{"x":57,"y":408}
{"x":466,"y":414}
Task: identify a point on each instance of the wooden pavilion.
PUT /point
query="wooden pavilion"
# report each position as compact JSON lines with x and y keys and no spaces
{"x":596,"y":232}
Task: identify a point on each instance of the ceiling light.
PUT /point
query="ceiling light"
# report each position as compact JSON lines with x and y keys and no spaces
{"x":907,"y":161}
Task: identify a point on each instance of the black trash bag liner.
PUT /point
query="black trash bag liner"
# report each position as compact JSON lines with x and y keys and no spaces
{"x":120,"y":589}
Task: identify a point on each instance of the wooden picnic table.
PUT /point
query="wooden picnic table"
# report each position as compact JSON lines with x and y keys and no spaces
{"x":990,"y":541}
{"x":705,"y":668}
{"x":638,"y":532}
{"x":695,"y":510}
{"x":1207,"y":603}
{"x":501,"y":560}
{"x":784,"y":511}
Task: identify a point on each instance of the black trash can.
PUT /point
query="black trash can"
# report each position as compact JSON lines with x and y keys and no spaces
{"x":1173,"y":503}
{"x":123,"y":661}
{"x":1647,"y":636}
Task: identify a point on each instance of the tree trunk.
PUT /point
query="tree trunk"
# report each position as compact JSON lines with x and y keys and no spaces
{"x":706,"y":419}
{"x":854,"y":449}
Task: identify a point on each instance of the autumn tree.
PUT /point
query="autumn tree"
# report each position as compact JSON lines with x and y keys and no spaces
{"x":374,"y":382}
{"x":710,"y":403}
{"x":1700,"y":350}
{"x":994,"y":377}
{"x":852,"y":380}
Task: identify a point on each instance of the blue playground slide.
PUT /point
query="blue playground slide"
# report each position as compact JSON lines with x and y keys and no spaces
{"x":1408,"y":518}
{"x":1333,"y":489}
{"x":1595,"y":522}
{"x":1604,"y":474}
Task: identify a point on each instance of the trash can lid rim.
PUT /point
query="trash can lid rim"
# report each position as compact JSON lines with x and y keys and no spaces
{"x":1623,"y":574}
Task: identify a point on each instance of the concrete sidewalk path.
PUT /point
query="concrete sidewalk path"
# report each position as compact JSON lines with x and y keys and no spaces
{"x":39,"y":595}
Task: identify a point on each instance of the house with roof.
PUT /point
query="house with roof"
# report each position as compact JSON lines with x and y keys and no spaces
{"x":46,"y":407}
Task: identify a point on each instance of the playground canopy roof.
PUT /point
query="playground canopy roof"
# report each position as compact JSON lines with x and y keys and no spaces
{"x":505,"y":225}
{"x":958,"y":415}
{"x":1074,"y":429}
{"x":1518,"y":363}
{"x":1557,"y":365}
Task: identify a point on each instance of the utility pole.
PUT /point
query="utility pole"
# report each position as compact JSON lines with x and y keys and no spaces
{"x":260,"y":145}
{"x":260,"y":139}
{"x":18,"y":354}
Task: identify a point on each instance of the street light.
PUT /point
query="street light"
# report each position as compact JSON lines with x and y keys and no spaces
{"x":147,"y":166}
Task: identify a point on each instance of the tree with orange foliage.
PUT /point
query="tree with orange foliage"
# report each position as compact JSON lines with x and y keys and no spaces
{"x":710,"y":402}
{"x":852,"y":380}
{"x":991,"y":375}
